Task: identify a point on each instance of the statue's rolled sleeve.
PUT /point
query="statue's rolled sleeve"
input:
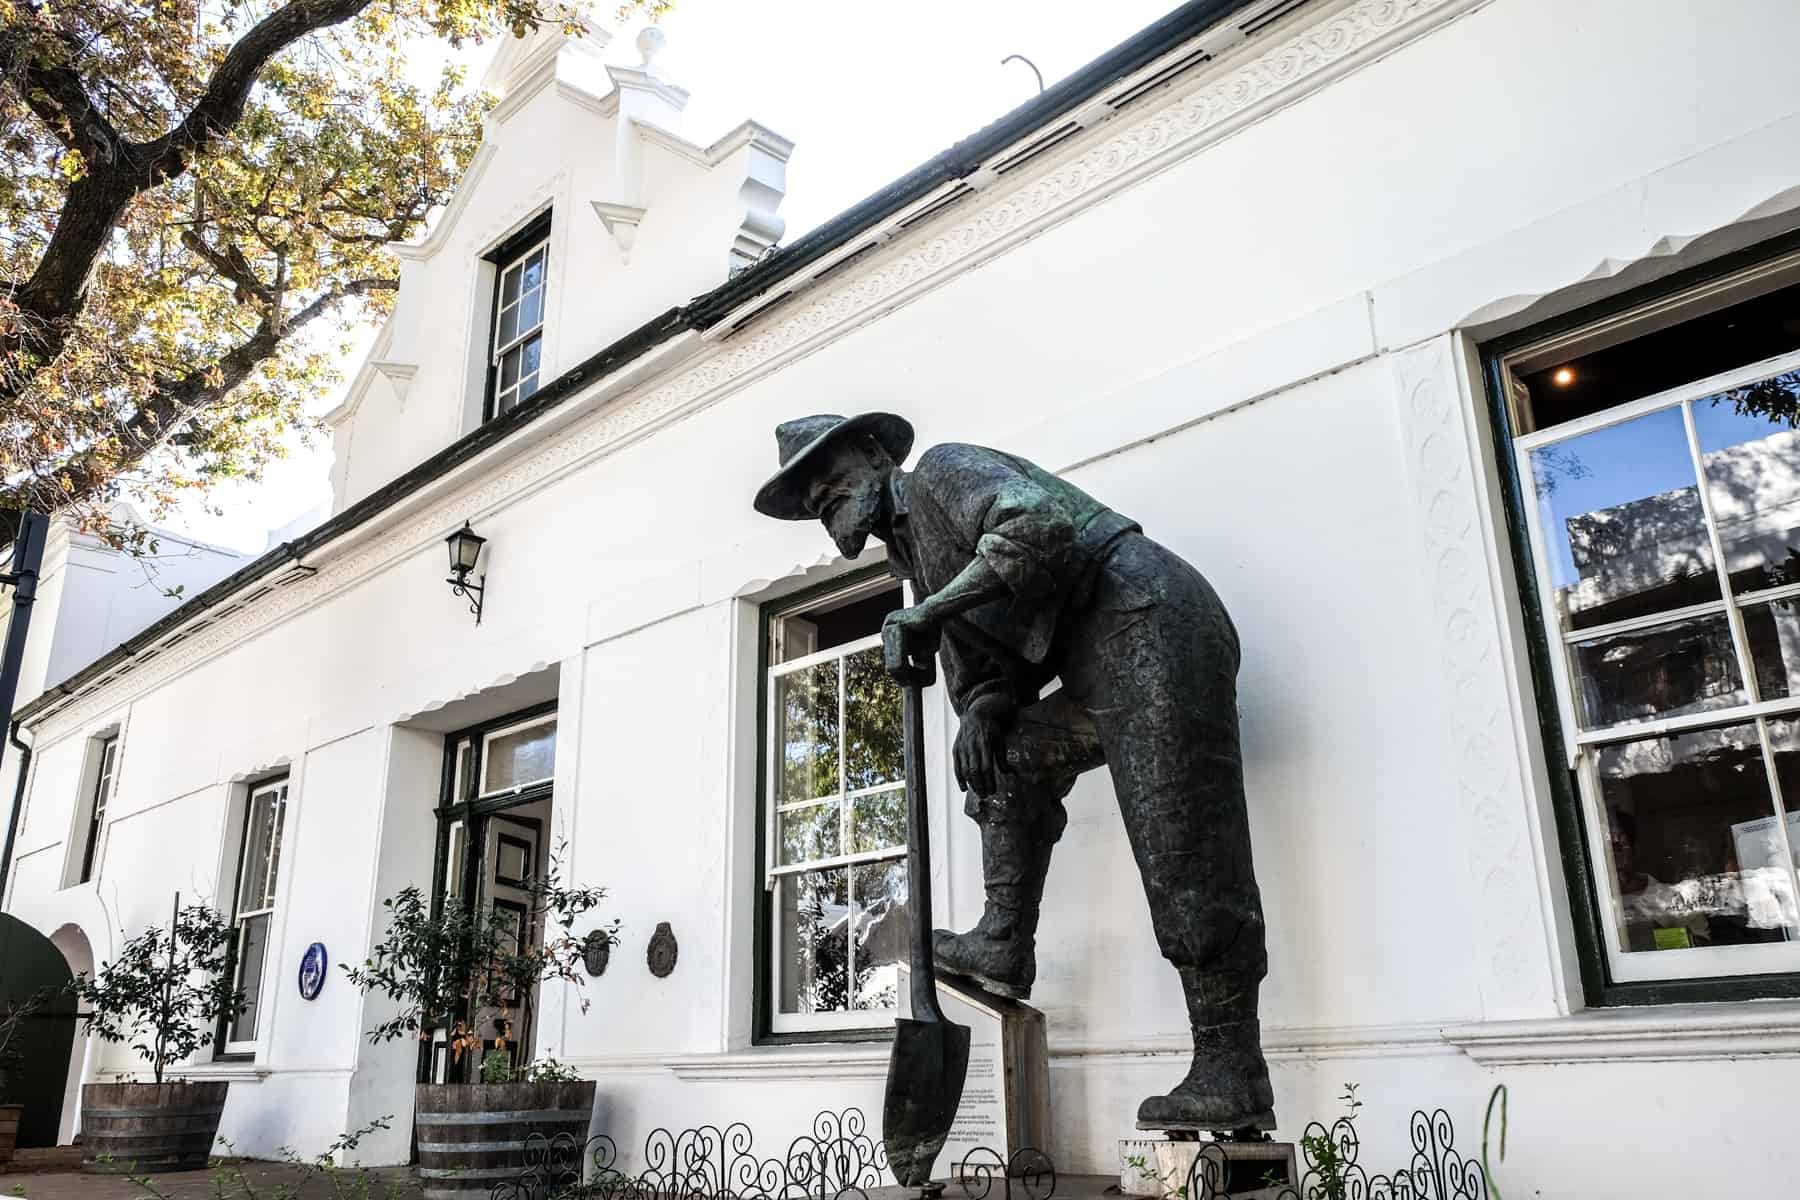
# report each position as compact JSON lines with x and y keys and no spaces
{"x":1026,"y":538}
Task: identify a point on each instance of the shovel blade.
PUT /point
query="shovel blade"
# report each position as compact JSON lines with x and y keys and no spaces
{"x":924,"y":1087}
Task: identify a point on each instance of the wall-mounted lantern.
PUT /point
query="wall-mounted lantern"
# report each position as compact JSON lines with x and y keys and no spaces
{"x":465,"y":551}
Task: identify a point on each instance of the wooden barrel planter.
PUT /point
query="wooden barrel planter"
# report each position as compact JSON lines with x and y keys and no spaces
{"x":139,"y":1128}
{"x":473,"y":1135}
{"x":9,"y":1130}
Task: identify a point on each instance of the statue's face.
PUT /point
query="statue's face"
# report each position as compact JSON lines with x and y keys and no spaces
{"x":846,"y":494}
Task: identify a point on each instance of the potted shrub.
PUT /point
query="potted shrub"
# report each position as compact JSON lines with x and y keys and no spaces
{"x":165,"y":994}
{"x":463,"y":971}
{"x":12,"y":1040}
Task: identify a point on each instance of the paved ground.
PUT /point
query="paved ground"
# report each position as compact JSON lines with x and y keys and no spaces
{"x":258,"y":1180}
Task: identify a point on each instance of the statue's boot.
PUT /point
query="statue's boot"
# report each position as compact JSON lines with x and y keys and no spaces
{"x":1000,"y":953}
{"x":1227,"y":1088}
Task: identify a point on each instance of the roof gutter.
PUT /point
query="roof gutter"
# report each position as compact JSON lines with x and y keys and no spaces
{"x":700,"y":314}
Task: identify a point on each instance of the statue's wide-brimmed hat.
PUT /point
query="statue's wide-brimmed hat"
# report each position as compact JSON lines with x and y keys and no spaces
{"x":802,"y":443}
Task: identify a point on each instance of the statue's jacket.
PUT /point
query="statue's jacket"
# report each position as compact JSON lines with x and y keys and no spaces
{"x":1044,"y":537}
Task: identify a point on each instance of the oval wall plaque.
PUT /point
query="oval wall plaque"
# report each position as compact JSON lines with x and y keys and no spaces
{"x":596,"y":952}
{"x":663,"y":951}
{"x":312,"y":971}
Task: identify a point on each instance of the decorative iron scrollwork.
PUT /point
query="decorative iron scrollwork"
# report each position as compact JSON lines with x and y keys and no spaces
{"x":1029,"y":1170}
{"x":1437,"y":1171}
{"x":837,"y":1160}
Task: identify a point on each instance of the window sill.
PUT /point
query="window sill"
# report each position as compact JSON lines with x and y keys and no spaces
{"x":851,"y":1060}
{"x":233,"y":1072}
{"x":1750,"y":1029}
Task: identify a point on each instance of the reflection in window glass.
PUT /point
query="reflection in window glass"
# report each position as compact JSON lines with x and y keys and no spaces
{"x":1694,"y":842}
{"x":815,"y":942}
{"x":879,"y":924}
{"x":1621,"y":512}
{"x":806,"y":716}
{"x":1662,"y":671}
{"x":836,"y":783}
{"x":1752,"y":456}
{"x":518,"y":757}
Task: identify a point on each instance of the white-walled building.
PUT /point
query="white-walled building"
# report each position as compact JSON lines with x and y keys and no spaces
{"x":1371,"y":309}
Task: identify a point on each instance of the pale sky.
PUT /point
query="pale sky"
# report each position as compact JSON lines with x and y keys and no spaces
{"x":866,"y":90}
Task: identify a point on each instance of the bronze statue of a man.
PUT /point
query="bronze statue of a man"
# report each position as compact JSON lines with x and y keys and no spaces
{"x":1026,"y":579}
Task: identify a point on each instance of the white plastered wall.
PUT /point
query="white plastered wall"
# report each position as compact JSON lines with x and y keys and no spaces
{"x":1249,"y":352}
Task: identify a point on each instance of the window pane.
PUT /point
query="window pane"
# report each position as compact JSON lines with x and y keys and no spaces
{"x":1773,"y":633}
{"x":456,"y":860}
{"x":509,"y":369}
{"x":813,"y":936}
{"x":1664,"y":671}
{"x":515,"y":759}
{"x":1690,"y":824}
{"x":880,"y":921}
{"x":534,"y":269}
{"x":872,"y":722}
{"x":810,"y":833}
{"x":531,"y":311}
{"x":527,"y":387}
{"x":1752,"y":457}
{"x":806,"y":733}
{"x":277,"y":801}
{"x":878,"y":822}
{"x":509,"y":326}
{"x":1621,"y":515}
{"x":259,"y":831}
{"x":533,"y":352}
{"x":252,"y":946}
{"x":509,"y":285}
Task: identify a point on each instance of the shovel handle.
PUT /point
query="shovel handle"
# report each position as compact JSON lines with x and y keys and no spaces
{"x":918,"y":856}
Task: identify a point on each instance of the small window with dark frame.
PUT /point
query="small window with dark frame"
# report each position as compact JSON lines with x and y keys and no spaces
{"x":259,"y":867}
{"x":104,"y":757}
{"x":521,"y":281}
{"x":834,"y":811}
{"x":1657,"y":454}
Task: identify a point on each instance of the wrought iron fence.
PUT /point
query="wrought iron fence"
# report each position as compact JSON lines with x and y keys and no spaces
{"x":838,"y":1160}
{"x":1436,"y":1171}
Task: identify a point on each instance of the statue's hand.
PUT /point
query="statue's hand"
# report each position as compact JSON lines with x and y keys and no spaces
{"x":909,"y":637}
{"x":981,"y":743}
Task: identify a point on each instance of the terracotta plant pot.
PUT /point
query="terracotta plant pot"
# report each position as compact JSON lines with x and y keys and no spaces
{"x":472,"y":1135}
{"x":139,"y":1128}
{"x":9,"y":1130}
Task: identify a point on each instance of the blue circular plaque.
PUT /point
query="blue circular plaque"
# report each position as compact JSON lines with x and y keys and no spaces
{"x":312,"y":971}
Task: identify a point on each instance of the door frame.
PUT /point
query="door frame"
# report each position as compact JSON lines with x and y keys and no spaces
{"x":460,"y":801}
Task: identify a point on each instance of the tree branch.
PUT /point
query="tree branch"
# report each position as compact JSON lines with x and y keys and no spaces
{"x":229,"y":88}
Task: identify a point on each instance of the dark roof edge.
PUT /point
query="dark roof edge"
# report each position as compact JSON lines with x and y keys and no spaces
{"x":701,"y":313}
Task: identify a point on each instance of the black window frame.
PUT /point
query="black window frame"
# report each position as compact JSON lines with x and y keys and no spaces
{"x":502,"y":256}
{"x":762,"y":1031}
{"x":1599,"y":988}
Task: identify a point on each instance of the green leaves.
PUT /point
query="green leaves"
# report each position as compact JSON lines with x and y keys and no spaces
{"x":166,"y":990}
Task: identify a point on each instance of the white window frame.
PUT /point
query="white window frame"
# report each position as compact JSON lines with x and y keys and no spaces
{"x":520,"y":336}
{"x":99,"y":782}
{"x":481,"y":761}
{"x":271,"y":872}
{"x":1582,"y":744}
{"x":774,"y":872}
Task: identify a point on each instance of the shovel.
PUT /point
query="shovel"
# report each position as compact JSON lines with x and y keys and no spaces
{"x":931,"y":1056}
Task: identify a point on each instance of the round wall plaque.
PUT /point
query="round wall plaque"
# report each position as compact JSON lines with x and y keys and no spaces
{"x":663,"y":951}
{"x":596,"y":952}
{"x":312,"y":971}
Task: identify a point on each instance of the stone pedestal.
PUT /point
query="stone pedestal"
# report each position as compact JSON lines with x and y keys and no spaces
{"x":1163,"y":1169}
{"x":1006,"y":1098}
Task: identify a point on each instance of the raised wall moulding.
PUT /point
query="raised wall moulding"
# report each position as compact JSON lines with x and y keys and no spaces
{"x":1053,"y":188}
{"x":1509,"y":933}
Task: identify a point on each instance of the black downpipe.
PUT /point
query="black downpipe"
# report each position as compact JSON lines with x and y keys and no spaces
{"x":28,"y":556}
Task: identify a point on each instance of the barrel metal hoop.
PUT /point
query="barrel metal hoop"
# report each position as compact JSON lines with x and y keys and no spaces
{"x":564,"y":1115}
{"x":469,"y":1147}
